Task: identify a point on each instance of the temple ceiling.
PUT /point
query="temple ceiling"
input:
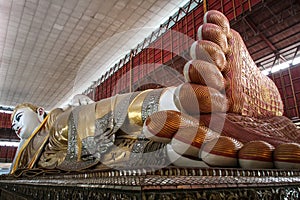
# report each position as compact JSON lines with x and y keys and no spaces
{"x":51,"y":50}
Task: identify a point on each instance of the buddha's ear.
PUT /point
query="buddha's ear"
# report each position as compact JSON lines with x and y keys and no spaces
{"x":41,"y":113}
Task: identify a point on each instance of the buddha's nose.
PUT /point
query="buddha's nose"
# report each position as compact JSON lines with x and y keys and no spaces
{"x":13,"y":127}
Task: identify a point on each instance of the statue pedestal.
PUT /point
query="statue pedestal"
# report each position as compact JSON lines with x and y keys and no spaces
{"x":168,"y":183}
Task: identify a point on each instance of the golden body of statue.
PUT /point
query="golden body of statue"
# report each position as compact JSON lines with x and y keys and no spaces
{"x":227,"y":114}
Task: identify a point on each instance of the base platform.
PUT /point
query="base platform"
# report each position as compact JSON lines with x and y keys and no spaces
{"x":169,"y":183}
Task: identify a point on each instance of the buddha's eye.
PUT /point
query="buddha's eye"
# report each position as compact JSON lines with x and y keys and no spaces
{"x":18,"y":117}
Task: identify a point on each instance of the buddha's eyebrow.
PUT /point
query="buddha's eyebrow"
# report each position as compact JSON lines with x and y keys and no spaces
{"x":19,"y":114}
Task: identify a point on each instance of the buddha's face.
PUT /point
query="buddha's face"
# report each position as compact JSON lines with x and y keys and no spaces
{"x":25,"y":121}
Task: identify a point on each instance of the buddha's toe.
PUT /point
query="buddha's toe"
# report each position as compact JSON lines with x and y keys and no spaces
{"x":287,"y":156}
{"x":210,"y":52}
{"x":218,"y":18}
{"x":221,"y":152}
{"x":256,"y":154}
{"x":215,"y":34}
{"x":189,"y":140}
{"x":216,"y":28}
{"x":194,"y":99}
{"x":162,"y":125}
{"x":204,"y":73}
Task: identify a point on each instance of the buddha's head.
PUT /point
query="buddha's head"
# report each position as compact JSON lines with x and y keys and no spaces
{"x":26,"y":118}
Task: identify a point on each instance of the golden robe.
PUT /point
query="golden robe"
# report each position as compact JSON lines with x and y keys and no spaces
{"x":106,"y":132}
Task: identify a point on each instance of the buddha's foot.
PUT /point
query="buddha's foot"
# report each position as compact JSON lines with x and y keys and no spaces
{"x":224,"y":83}
{"x":223,"y":77}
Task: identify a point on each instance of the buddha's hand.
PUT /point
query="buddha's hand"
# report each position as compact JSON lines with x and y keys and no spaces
{"x":80,"y":99}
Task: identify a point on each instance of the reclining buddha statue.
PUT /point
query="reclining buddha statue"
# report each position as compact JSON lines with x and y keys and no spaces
{"x":226,"y":114}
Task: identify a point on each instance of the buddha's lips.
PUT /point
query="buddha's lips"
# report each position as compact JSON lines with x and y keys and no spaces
{"x":18,"y":133}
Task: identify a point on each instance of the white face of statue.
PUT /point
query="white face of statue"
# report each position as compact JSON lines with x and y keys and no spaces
{"x":25,"y":121}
